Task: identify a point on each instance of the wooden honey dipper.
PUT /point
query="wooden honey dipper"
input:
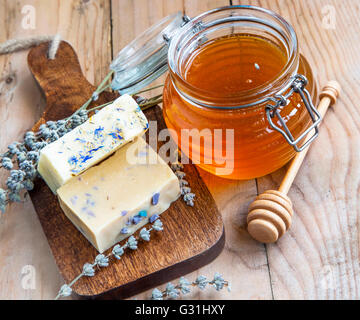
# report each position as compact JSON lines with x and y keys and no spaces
{"x":271,"y":212}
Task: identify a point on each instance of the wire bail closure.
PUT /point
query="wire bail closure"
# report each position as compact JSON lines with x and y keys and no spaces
{"x":145,"y":58}
{"x":297,"y":85}
{"x":185,"y":20}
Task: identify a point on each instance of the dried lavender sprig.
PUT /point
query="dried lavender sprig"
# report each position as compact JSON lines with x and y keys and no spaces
{"x":102,"y":87}
{"x":150,"y":104}
{"x":186,"y":193}
{"x":99,"y":107}
{"x":26,"y":154}
{"x":148,"y":89}
{"x":102,"y":261}
{"x":172,"y":291}
{"x":151,"y":100}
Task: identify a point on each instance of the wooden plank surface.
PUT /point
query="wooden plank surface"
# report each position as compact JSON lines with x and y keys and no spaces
{"x":243,"y":260}
{"x":251,"y":279}
{"x":87,"y":26}
{"x":192,"y":237}
{"x":317,"y":258}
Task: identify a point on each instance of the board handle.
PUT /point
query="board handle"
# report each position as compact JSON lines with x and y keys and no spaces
{"x":62,"y":82}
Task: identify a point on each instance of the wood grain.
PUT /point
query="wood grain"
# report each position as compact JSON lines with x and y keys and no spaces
{"x":87,"y":26}
{"x":246,"y":266}
{"x":241,"y":253}
{"x":133,"y":18}
{"x":192,"y":236}
{"x":318,"y":258}
{"x":271,"y":212}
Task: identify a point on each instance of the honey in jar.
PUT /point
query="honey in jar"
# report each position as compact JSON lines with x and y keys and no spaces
{"x":238,"y":97}
{"x":232,"y":64}
{"x":223,"y":75}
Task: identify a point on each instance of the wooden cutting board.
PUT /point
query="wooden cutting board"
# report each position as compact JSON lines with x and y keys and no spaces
{"x":192,"y":236}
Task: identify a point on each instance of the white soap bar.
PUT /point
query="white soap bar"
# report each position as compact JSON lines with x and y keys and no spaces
{"x":97,"y":138}
{"x":109,"y":202}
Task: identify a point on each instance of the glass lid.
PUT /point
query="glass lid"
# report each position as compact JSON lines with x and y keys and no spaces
{"x":145,"y":58}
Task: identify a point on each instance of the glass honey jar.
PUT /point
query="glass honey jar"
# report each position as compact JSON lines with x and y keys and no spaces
{"x":239,"y":95}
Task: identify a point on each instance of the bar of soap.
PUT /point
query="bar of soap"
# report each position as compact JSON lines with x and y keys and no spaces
{"x":94,"y":140}
{"x":110,"y":201}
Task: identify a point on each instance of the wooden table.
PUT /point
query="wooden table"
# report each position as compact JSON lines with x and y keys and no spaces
{"x":317,"y":259}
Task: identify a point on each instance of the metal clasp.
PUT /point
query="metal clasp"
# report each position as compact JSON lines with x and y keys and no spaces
{"x":297,"y":85}
{"x":185,"y":20}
